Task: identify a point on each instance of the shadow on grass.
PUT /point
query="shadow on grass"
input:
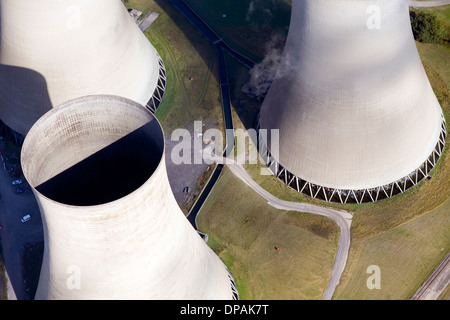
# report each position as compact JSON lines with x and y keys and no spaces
{"x":257,"y":29}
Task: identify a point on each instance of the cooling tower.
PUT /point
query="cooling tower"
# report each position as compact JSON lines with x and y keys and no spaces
{"x":55,"y":51}
{"x":358,"y":120}
{"x":112,"y":227}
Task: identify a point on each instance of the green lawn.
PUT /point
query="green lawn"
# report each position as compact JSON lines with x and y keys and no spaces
{"x":442,"y":12}
{"x":406,"y":256}
{"x":186,"y":53}
{"x":244,"y":231}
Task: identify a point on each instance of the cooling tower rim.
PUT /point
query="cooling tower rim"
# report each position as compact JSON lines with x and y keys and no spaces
{"x":90,"y":98}
{"x":359,"y":195}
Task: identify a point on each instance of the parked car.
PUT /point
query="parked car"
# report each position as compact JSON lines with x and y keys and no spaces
{"x":27,"y":285}
{"x":25,"y":218}
{"x":15,"y":182}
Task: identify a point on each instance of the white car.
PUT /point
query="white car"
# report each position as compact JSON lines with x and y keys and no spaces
{"x":15,"y":182}
{"x":26,"y":218}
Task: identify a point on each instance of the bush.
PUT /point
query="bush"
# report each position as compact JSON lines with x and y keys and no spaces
{"x":427,"y":28}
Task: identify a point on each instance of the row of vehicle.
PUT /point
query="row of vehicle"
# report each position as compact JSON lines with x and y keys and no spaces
{"x":26,"y":217}
{"x":19,"y":190}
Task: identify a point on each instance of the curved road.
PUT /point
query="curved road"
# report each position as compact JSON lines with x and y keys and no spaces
{"x":427,"y":4}
{"x":342,"y":218}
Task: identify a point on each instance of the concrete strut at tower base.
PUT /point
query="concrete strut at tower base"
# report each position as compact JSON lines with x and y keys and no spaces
{"x":96,"y":166}
{"x":55,"y":51}
{"x":358,"y":120}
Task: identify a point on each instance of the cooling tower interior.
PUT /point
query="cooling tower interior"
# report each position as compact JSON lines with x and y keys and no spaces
{"x":96,"y":165}
{"x":117,"y":169}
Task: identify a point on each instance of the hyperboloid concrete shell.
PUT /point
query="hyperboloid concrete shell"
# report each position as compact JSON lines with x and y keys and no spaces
{"x":358,"y":120}
{"x":112,"y":227}
{"x":54,"y":51}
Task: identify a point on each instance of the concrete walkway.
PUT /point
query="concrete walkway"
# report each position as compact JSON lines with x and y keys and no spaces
{"x":341,"y":217}
{"x":427,"y":4}
{"x":148,"y":20}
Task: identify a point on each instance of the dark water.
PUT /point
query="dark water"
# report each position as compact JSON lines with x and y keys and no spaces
{"x":111,"y":173}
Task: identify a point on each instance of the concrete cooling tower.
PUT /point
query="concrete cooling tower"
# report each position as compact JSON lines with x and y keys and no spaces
{"x":358,"y":120}
{"x":112,"y":227}
{"x":55,"y":51}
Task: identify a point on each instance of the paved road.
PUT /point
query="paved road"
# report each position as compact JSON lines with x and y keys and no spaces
{"x":148,"y":21}
{"x":427,"y":4}
{"x":436,"y":283}
{"x":342,"y":218}
{"x":15,"y":234}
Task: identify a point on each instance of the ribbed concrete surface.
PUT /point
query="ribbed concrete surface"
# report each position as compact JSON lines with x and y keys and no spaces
{"x":139,"y":246}
{"x":54,"y":51}
{"x":353,"y":104}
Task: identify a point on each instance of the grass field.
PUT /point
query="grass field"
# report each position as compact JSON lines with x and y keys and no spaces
{"x":406,"y":256}
{"x":244,"y":231}
{"x":442,"y":12}
{"x":186,"y":54}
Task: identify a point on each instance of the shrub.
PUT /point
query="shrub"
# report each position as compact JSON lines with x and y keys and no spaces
{"x":427,"y":28}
